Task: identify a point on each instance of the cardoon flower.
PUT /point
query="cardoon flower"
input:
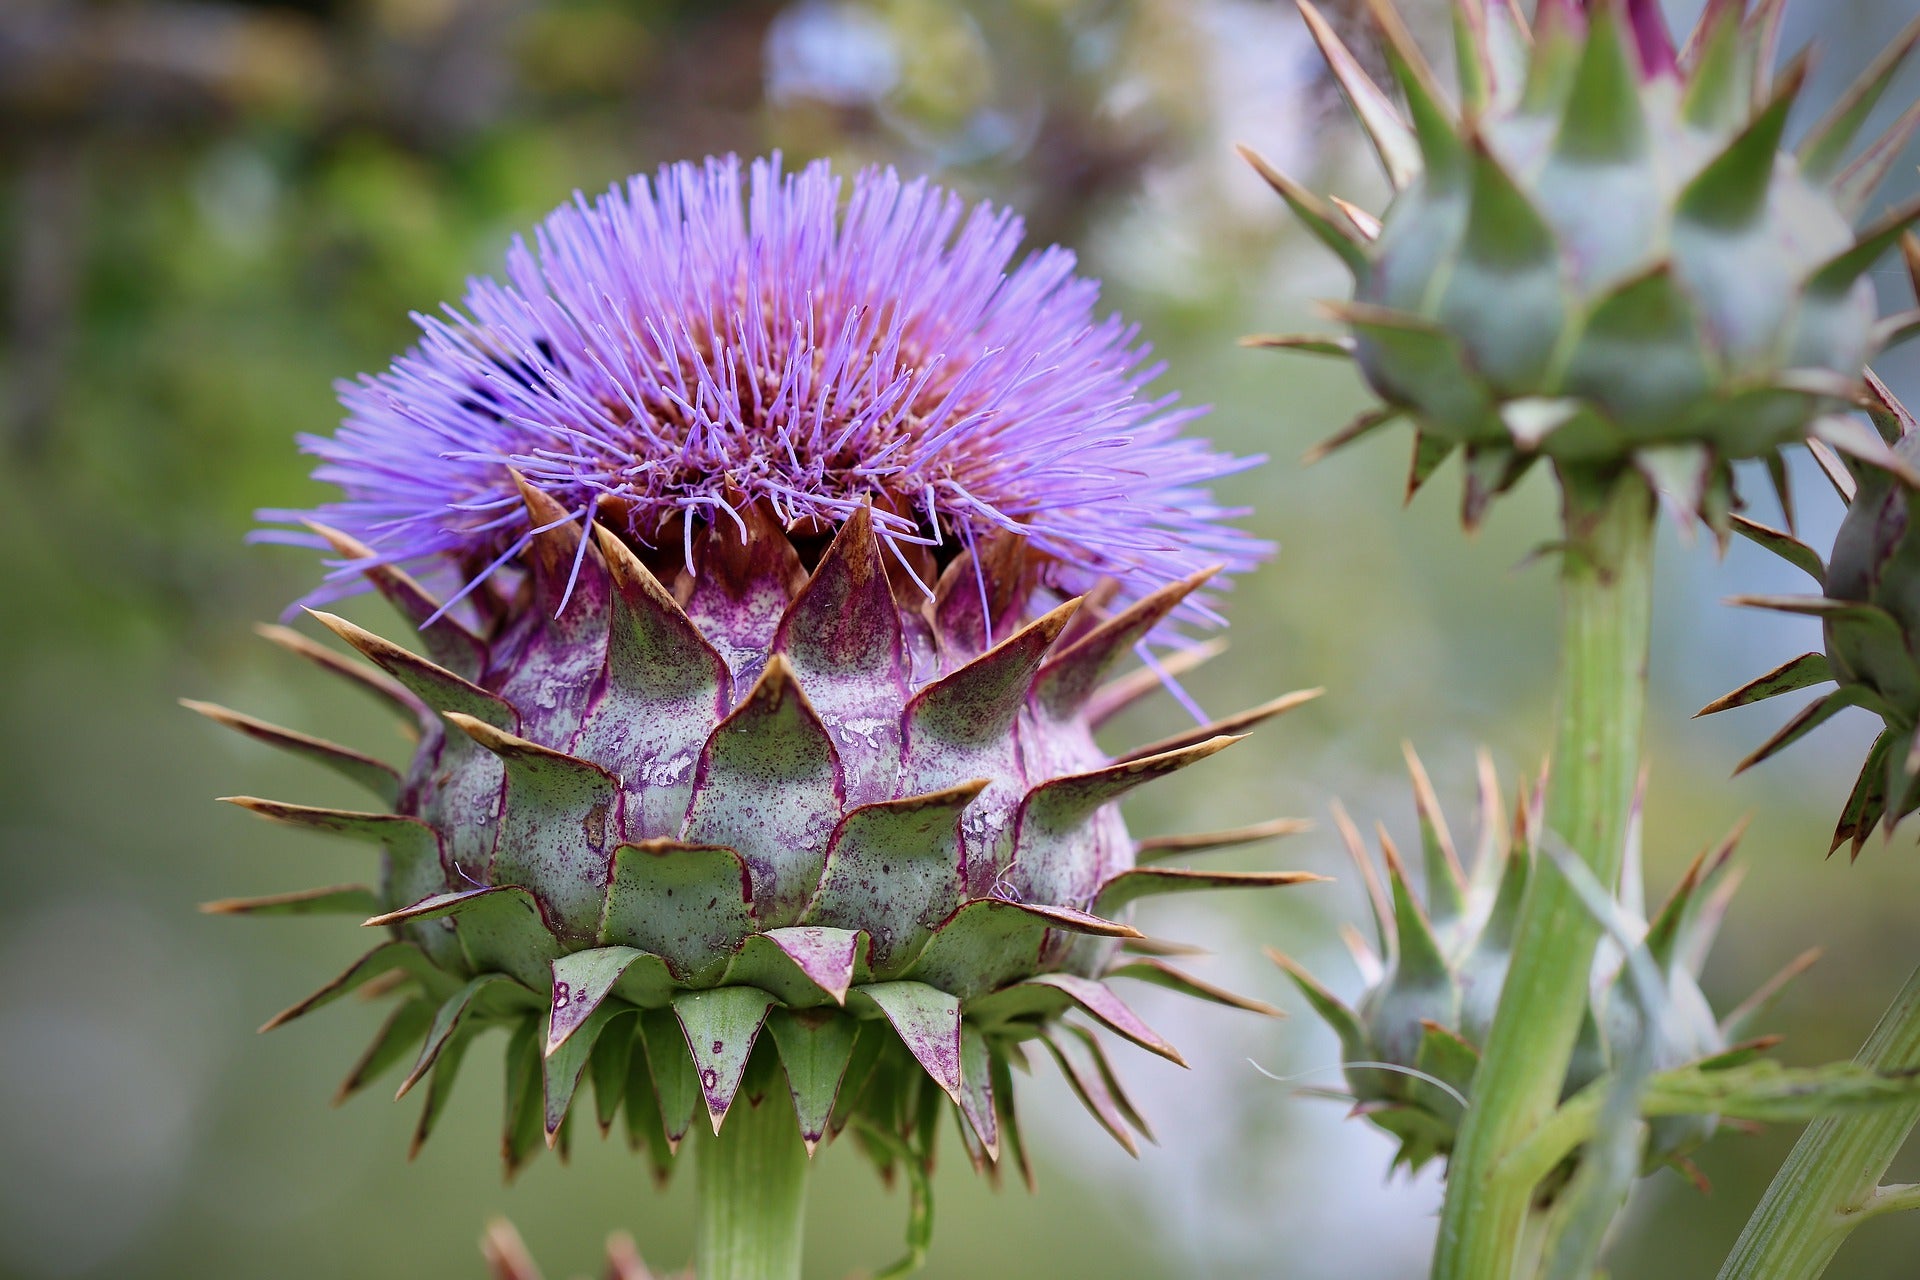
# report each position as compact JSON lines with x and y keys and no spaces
{"x":791,"y":542}
{"x":1869,"y":610}
{"x":1603,"y":256}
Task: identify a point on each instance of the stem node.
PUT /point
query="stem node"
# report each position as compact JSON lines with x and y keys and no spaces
{"x":1830,"y":1183}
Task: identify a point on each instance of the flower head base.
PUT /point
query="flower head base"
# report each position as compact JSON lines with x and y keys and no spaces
{"x":749,"y":790}
{"x":1869,"y":608}
{"x":674,"y":353}
{"x":1412,"y":1043}
{"x":1603,"y":257}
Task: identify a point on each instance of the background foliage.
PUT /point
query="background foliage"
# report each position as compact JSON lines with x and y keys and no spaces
{"x":212,"y":210}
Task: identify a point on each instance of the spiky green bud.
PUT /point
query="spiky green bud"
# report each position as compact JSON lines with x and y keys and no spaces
{"x":1411,"y":1044}
{"x":1602,"y":255}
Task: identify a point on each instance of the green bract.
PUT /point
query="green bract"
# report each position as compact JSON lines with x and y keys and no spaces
{"x":1412,"y":1042}
{"x":1869,"y":609}
{"x":760,"y":823}
{"x":1602,"y":256}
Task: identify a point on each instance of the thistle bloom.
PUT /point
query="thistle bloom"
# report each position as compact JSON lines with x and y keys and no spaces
{"x":1603,"y":256}
{"x":796,"y":541}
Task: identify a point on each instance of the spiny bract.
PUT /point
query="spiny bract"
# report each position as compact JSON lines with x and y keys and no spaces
{"x":1412,"y":1043}
{"x":1869,"y":610}
{"x":1603,"y":257}
{"x":733,"y":790}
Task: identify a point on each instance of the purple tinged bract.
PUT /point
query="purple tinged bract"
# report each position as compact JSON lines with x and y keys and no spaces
{"x":722,"y":336}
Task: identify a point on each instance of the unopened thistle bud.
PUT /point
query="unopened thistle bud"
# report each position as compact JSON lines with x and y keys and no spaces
{"x":1411,"y":1043}
{"x":1602,"y":255}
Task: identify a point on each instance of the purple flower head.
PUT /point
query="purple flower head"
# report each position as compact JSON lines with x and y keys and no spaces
{"x":679,"y":350}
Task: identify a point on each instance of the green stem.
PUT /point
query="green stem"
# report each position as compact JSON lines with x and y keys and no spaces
{"x":752,"y":1180}
{"x":1831,"y":1180}
{"x":1535,"y":1233}
{"x":1894,"y":1197}
{"x":1607,"y":592}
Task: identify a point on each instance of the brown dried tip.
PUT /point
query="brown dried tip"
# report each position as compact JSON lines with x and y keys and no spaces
{"x":552,"y":549}
{"x":1122,"y":692}
{"x":1427,"y":804}
{"x":374,"y":681}
{"x":1227,"y":726}
{"x":505,"y":1253}
{"x":1154,"y":847}
{"x":1364,"y":222}
{"x":630,"y":575}
{"x":1068,"y":680}
{"x":1356,"y":847}
{"x":1157,"y":947}
{"x":623,"y":1259}
{"x":448,"y":642}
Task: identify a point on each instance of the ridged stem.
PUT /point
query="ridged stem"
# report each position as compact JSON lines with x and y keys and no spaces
{"x":1831,"y":1180}
{"x":752,"y":1179}
{"x":1534,"y":1234}
{"x":1607,"y":595}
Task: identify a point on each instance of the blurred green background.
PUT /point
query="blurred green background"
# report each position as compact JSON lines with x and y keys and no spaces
{"x":212,"y":210}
